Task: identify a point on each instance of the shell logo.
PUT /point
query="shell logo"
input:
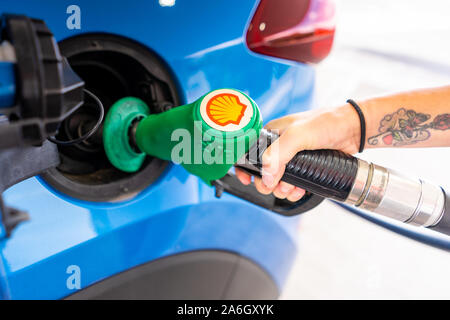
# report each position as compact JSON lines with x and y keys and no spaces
{"x":226,"y":110}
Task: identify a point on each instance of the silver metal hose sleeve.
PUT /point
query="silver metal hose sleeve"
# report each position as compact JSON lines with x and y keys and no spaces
{"x":396,"y":196}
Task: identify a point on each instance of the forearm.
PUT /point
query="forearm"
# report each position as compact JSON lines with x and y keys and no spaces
{"x":418,"y":119}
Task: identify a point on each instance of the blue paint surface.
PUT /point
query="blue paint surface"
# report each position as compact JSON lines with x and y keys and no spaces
{"x":7,"y":84}
{"x":203,"y":43}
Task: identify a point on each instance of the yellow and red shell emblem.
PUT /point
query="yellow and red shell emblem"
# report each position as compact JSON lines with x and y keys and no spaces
{"x":225,"y":108}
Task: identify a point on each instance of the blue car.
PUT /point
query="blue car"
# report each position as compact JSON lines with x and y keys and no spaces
{"x":95,"y":232}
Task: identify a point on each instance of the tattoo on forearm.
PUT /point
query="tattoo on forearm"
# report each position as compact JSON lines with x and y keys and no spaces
{"x":405,"y":127}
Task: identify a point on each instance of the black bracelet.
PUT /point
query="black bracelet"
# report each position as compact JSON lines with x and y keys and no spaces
{"x":362,"y":121}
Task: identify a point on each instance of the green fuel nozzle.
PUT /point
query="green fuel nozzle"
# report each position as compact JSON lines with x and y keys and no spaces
{"x":207,"y":137}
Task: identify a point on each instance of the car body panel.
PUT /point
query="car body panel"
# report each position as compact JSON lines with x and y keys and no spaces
{"x":203,"y":44}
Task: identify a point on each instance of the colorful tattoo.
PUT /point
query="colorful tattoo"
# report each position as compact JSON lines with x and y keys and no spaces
{"x":405,"y":127}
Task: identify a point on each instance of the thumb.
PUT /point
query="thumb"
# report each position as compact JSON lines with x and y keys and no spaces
{"x":279,"y":153}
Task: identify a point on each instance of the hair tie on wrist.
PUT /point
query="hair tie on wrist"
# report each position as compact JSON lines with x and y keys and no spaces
{"x":362,"y":121}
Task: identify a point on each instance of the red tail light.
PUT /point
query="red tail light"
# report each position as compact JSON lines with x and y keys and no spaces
{"x":300,"y":30}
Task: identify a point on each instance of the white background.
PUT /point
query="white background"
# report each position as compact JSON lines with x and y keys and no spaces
{"x":381,"y":46}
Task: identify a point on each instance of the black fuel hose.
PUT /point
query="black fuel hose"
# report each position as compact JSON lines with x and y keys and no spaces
{"x":328,"y":173}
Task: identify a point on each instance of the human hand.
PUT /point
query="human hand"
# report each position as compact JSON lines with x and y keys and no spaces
{"x":336,"y":128}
